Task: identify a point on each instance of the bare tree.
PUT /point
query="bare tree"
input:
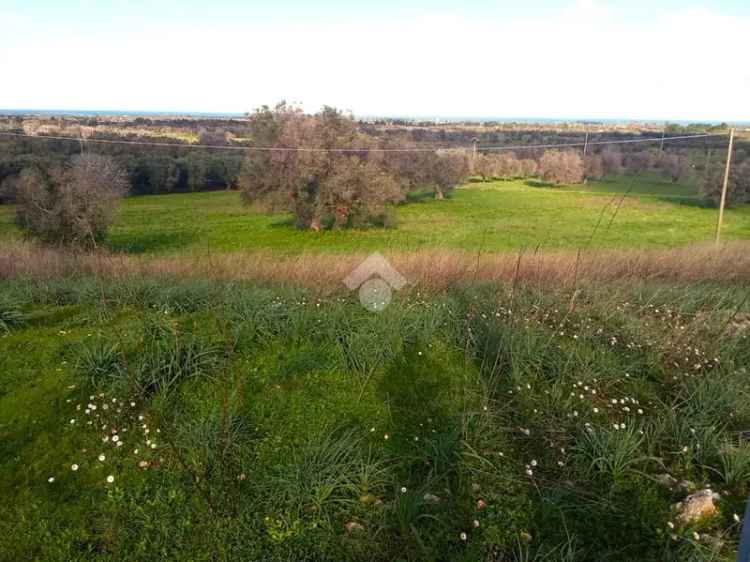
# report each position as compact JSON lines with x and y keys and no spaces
{"x":72,"y":205}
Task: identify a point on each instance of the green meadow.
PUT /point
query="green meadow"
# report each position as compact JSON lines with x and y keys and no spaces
{"x":151,"y":418}
{"x":620,"y":212}
{"x":188,"y":420}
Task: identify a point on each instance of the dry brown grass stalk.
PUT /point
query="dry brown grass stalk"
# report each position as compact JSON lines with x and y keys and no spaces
{"x":428,"y":269}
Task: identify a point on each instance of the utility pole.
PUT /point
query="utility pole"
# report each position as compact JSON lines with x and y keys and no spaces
{"x":724,"y":187}
{"x":585,"y":144}
{"x":663,"y":132}
{"x":474,"y":155}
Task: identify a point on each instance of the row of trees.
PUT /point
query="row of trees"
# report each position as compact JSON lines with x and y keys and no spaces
{"x":341,"y":177}
{"x":569,"y":167}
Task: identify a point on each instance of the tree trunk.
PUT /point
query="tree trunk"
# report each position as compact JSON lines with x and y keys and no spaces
{"x":439,"y":193}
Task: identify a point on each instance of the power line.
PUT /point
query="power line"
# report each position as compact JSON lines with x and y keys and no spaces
{"x":356,"y":150}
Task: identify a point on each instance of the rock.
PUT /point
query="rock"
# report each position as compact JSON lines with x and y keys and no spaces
{"x":697,"y":506}
{"x":431,"y":499}
{"x":353,"y":527}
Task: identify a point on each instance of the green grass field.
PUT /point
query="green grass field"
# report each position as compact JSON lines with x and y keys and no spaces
{"x":496,"y":216}
{"x":150,"y":418}
{"x":239,"y":423}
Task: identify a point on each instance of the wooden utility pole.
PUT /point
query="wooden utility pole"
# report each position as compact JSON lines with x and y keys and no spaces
{"x":724,"y":187}
{"x":585,"y":144}
{"x":474,"y":155}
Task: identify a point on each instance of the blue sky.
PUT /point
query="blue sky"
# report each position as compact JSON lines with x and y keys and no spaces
{"x":553,"y":58}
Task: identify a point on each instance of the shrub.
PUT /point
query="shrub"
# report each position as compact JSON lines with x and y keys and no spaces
{"x":170,"y":356}
{"x":71,"y":205}
{"x":608,"y":453}
{"x":100,"y":360}
{"x":11,"y":315}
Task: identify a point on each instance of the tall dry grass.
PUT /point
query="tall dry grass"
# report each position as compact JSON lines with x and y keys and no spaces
{"x":428,"y":269}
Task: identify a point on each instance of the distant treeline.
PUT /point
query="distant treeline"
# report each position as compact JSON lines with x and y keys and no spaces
{"x":177,"y":168}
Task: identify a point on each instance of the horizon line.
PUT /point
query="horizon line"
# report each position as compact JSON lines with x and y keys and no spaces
{"x":458,"y":118}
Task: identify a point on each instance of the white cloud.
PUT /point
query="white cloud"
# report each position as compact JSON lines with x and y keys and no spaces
{"x":584,"y":62}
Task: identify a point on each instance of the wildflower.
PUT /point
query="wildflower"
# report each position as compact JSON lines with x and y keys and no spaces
{"x":533,"y":463}
{"x":529,"y":472}
{"x":102,"y":458}
{"x":696,"y":536}
{"x":476,"y":524}
{"x":110,"y":479}
{"x":72,"y":421}
{"x":386,"y":436}
{"x":52,"y":479}
{"x":670,"y":524}
{"x":403,"y":489}
{"x":73,"y":467}
{"x":115,"y":438}
{"x":153,"y":445}
{"x":481,"y":504}
{"x":463,"y":536}
{"x":596,"y":410}
{"x":736,"y":518}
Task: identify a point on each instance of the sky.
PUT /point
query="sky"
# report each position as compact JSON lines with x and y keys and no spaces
{"x":577,"y":59}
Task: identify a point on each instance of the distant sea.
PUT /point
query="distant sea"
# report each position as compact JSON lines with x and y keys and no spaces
{"x":433,"y":118}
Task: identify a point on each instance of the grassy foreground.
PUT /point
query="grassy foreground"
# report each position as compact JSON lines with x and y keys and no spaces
{"x":497,"y":216}
{"x":152,"y":419}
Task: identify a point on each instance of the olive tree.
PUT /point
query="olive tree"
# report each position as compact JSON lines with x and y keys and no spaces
{"x":738,"y":188}
{"x":561,"y":166}
{"x":321,"y":185}
{"x":72,"y":204}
